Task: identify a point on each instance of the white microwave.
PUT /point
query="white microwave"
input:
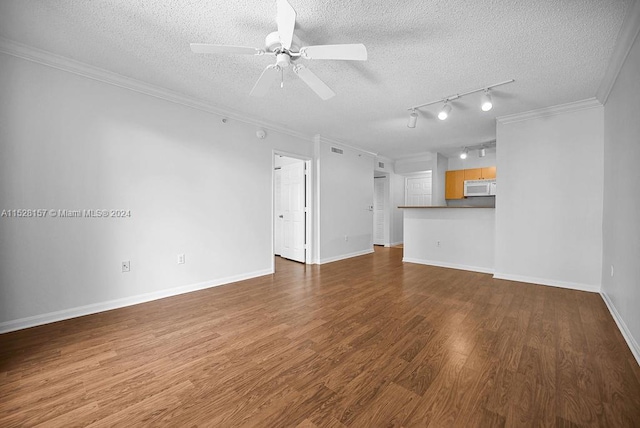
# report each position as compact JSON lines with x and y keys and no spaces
{"x":480,"y":187}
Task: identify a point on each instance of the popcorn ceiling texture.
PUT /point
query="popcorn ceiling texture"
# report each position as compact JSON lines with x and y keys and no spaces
{"x":418,"y":51}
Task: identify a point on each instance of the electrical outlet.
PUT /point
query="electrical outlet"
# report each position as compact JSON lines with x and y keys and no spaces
{"x":437,"y":243}
{"x":126,"y":266}
{"x":346,"y":238}
{"x":180,"y":259}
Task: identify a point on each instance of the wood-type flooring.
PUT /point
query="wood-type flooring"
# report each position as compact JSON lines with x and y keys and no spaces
{"x":364,"y":342}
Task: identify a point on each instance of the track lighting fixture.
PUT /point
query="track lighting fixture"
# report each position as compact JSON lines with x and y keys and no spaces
{"x":481,"y":148}
{"x":486,"y":104}
{"x":444,"y":112}
{"x":413,"y":118}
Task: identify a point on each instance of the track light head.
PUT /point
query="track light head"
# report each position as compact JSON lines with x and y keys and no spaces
{"x":444,"y":112}
{"x":413,"y":118}
{"x":486,"y":103}
{"x":482,"y":152}
{"x":464,"y":153}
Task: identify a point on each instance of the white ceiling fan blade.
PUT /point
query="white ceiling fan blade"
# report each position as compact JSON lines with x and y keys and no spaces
{"x":314,"y":82}
{"x":357,"y":52}
{"x":224,"y":49}
{"x":268,"y":76}
{"x":286,"y":23}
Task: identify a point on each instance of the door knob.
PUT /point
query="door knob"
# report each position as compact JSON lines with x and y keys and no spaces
{"x":280,"y":216}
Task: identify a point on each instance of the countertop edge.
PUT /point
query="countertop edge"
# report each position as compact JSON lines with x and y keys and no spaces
{"x":440,"y":207}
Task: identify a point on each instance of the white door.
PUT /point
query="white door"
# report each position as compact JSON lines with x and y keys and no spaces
{"x":418,"y":190}
{"x":293,"y":211}
{"x":278,"y":209}
{"x":378,"y":210}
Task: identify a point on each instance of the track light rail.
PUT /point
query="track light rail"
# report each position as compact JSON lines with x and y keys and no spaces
{"x":456,"y":96}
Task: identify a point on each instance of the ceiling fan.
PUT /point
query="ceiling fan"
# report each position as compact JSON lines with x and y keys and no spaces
{"x":285,"y":47}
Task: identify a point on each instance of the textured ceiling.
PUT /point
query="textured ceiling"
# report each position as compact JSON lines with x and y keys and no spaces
{"x":419,"y":51}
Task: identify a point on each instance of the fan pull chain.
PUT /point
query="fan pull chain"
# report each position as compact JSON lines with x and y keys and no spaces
{"x":281,"y":77}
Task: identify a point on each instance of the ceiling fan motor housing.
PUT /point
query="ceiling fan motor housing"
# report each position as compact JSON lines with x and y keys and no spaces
{"x":272,"y":43}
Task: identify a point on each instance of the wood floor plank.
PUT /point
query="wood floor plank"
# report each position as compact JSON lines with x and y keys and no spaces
{"x":368,"y":341}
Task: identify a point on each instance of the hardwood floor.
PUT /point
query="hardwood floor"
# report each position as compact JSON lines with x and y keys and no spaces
{"x":364,"y":342}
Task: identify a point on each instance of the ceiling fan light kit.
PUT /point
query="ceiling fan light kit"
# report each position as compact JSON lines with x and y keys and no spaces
{"x":282,"y":44}
{"x":445,"y":111}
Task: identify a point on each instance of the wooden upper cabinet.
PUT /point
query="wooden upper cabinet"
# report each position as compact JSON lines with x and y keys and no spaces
{"x":472,"y":174}
{"x":489,"y":172}
{"x":480,"y":173}
{"x":454,"y":180}
{"x":454,"y":184}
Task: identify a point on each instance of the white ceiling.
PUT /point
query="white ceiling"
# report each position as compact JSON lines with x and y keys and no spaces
{"x":419,"y":51}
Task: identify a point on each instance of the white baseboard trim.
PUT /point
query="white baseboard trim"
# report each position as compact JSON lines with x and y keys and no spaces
{"x":345,"y":256}
{"x":79,"y":311}
{"x":548,"y":282}
{"x":628,"y":337}
{"x":447,"y":265}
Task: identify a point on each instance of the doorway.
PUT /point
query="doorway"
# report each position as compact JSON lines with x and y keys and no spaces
{"x":418,"y":189}
{"x":380,"y":208}
{"x":291,"y":208}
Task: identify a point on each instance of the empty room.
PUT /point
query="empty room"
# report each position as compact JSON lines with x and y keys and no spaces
{"x":299,"y":213}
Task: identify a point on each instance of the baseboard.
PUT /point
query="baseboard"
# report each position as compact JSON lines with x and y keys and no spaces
{"x":394,"y":244}
{"x":65,"y":314}
{"x":448,"y":265}
{"x":548,"y":282}
{"x":628,"y":337}
{"x":345,"y":256}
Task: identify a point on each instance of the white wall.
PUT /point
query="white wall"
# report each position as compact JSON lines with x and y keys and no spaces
{"x":345,"y":195}
{"x":466,"y":237}
{"x":439,"y":175}
{"x":396,"y":186}
{"x":193,"y":184}
{"x":395,"y":196}
{"x":434,"y":162}
{"x":549,"y":203}
{"x":421,"y":163}
{"x":621,"y":225}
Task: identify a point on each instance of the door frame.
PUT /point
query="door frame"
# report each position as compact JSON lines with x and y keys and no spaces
{"x":386,"y":238}
{"x":308,"y":227}
{"x":417,"y":174}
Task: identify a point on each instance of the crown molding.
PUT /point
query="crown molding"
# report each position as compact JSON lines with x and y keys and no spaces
{"x":550,"y":111}
{"x":417,"y":157}
{"x":384,"y":158}
{"x":49,"y":59}
{"x":327,"y":140}
{"x":626,"y":38}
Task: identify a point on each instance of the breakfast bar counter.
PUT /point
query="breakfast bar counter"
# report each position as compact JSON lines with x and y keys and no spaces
{"x":453,"y":237}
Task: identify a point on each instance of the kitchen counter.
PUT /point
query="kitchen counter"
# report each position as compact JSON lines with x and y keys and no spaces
{"x":450,"y":237}
{"x":441,"y":206}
